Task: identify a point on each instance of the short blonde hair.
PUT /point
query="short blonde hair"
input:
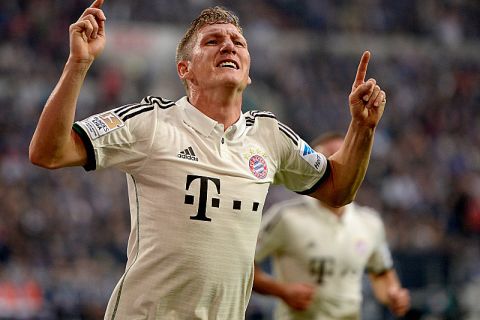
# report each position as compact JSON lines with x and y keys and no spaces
{"x":212,"y":15}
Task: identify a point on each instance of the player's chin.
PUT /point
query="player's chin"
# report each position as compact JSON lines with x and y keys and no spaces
{"x":233,"y":81}
{"x":400,"y":312}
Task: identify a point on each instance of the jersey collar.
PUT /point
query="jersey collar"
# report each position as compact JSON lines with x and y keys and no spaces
{"x":195,"y":118}
{"x":329,"y":216}
{"x":237,"y":129}
{"x":205,"y":125}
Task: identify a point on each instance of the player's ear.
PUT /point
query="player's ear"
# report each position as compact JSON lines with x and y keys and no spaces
{"x":183,"y":69}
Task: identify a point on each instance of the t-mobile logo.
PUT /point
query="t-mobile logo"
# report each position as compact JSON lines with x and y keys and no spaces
{"x":203,"y":196}
{"x":322,"y":267}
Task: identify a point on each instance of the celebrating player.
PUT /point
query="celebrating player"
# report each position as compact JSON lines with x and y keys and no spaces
{"x":198,"y":169}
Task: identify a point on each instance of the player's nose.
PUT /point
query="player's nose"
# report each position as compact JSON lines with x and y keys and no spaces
{"x":228,"y":46}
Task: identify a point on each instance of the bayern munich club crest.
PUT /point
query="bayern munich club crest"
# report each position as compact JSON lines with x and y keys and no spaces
{"x":258,"y":166}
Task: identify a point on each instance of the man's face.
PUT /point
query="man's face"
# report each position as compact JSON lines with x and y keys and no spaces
{"x":219,"y":57}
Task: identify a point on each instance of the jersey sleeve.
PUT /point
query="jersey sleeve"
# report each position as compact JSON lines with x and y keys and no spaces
{"x":272,"y":235}
{"x":119,"y":137}
{"x":381,"y":258}
{"x":301,"y":169}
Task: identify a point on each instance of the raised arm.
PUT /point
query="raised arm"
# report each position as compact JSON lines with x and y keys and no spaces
{"x":297,"y":296}
{"x":54,"y":144}
{"x":349,"y":164}
{"x":388,"y":291}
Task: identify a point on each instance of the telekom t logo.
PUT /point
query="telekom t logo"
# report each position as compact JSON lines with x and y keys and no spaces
{"x":203,"y":197}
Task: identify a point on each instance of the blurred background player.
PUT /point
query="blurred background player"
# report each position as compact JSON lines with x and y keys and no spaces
{"x":320,"y":254}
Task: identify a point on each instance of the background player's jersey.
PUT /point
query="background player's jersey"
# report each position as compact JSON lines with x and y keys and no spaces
{"x":309,"y":243}
{"x":196,"y":194}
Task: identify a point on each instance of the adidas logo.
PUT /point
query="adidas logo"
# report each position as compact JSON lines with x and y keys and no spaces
{"x":187,"y":154}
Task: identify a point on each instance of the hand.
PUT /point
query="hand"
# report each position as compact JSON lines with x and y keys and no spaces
{"x":87,"y":35}
{"x":299,"y":296}
{"x":398,"y":301}
{"x":367,"y":100}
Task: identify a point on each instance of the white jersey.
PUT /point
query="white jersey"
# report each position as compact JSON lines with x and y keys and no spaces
{"x":196,"y":194}
{"x":310,"y":244}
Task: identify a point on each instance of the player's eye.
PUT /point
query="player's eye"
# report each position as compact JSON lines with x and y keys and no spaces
{"x":212,"y":42}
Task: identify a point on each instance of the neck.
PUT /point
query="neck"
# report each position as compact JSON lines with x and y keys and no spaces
{"x":223,"y":106}
{"x":337,"y":211}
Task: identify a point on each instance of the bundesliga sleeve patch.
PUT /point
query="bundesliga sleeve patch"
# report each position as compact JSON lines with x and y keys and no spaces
{"x":317,"y":161}
{"x":101,"y":124}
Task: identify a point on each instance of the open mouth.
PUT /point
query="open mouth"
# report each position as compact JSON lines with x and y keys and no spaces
{"x":228,"y":64}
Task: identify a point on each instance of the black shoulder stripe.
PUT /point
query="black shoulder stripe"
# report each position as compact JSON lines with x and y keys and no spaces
{"x":265,"y":116}
{"x":162,"y":103}
{"x":166,"y":106}
{"x":256,"y":113}
{"x":119,"y":109}
{"x":149,"y":100}
{"x":136,"y":113}
{"x":147,"y":104}
{"x":250,"y":118}
{"x":125,"y":110}
{"x":288,"y":132}
{"x":288,"y":135}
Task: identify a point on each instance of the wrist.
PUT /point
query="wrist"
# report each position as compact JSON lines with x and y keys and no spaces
{"x":282,"y":291}
{"x":78,"y":64}
{"x":362,"y":126}
{"x":75,"y":69}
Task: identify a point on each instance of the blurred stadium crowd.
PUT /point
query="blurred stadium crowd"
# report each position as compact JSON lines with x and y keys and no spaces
{"x":63,"y":233}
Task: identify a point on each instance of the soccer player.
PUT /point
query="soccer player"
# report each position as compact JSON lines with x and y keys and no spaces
{"x":320,"y":253}
{"x":198,"y":170}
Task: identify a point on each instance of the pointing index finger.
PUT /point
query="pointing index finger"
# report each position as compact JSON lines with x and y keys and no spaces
{"x":97,"y":4}
{"x":362,"y":69}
